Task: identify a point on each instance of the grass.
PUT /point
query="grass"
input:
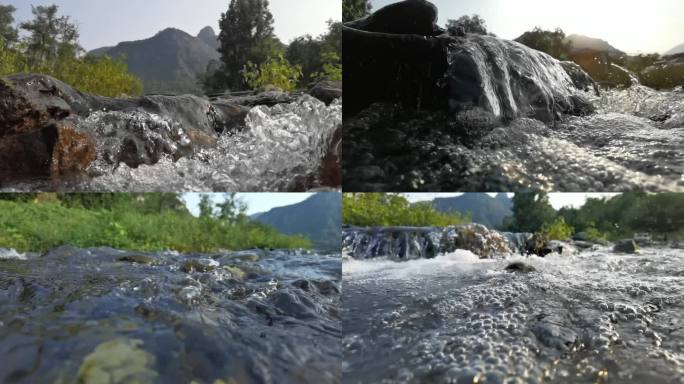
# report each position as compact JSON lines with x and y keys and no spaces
{"x":33,"y":226}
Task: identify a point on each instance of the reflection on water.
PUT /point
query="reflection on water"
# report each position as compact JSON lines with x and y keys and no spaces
{"x":594,"y":317}
{"x":109,"y":316}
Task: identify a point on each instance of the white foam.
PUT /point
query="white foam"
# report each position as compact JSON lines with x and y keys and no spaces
{"x":11,"y":254}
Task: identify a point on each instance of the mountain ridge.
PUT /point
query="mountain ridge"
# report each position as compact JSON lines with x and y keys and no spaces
{"x":169,"y":61}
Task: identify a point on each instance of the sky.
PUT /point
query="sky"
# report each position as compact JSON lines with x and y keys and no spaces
{"x":557,"y":200}
{"x":256,"y":202}
{"x":633,"y":26}
{"x":109,"y":22}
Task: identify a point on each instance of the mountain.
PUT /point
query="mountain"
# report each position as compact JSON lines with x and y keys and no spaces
{"x":208,"y":36}
{"x":319,"y":218}
{"x":168,"y":62}
{"x":485,"y":209}
{"x":676,"y":50}
{"x":581,"y":43}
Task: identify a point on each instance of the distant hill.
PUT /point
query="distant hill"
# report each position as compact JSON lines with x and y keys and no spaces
{"x":319,"y":218}
{"x":581,"y":43}
{"x":168,"y":62}
{"x":676,"y":50}
{"x":486,"y":210}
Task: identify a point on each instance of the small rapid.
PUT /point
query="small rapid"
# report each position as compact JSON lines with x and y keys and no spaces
{"x":107,"y":315}
{"x":595,"y":316}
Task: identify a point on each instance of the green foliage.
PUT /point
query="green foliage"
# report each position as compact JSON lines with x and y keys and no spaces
{"x":531,"y":209}
{"x":550,"y":42}
{"x":468,"y":24}
{"x":593,"y":233}
{"x":51,"y":36}
{"x":389,"y":209}
{"x":52,"y":49}
{"x":35,"y":226}
{"x":277,"y":72}
{"x":246,"y":36}
{"x":355,"y":9}
{"x":558,"y":229}
{"x":8,"y":33}
{"x":319,"y":58}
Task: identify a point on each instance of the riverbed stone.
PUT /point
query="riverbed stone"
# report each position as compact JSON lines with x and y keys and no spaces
{"x":117,"y":361}
{"x":626,"y":246}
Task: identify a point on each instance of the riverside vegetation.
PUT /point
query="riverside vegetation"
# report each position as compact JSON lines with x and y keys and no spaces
{"x":145,"y":222}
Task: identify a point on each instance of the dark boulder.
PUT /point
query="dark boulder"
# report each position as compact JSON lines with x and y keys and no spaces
{"x":520,"y":267}
{"x":579,"y":77}
{"x":388,"y":60}
{"x":626,"y":246}
{"x":327,"y":91}
{"x":408,"y":17}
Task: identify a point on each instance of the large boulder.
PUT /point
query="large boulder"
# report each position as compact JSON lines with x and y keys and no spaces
{"x":626,"y":246}
{"x":419,"y":67}
{"x":327,"y":91}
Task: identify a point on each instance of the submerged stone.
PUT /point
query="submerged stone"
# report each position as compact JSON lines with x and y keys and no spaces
{"x":520,"y":267}
{"x":199,"y":265}
{"x":626,"y":246}
{"x":118,"y":361}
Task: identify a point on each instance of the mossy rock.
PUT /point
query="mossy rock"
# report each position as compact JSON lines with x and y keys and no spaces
{"x":199,"y":265}
{"x":235,"y":271}
{"x":118,"y":361}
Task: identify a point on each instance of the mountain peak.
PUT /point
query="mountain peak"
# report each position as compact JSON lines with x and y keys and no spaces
{"x":208,"y":36}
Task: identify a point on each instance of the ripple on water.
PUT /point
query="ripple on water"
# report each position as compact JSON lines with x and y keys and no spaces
{"x":586,"y":318}
{"x":169,"y":317}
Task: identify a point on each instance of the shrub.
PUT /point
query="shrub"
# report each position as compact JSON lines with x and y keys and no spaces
{"x":276,"y":72}
{"x":557,"y":230}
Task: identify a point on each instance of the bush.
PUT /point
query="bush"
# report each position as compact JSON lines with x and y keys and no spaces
{"x":557,"y":230}
{"x":332,"y":68}
{"x":386,"y":209}
{"x":32,"y":226}
{"x":276,"y":72}
{"x":98,"y":75}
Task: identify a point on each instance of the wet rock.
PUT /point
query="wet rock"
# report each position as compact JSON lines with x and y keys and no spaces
{"x":327,"y":91}
{"x":520,"y":267}
{"x":581,"y":79}
{"x":414,"y":64}
{"x":138,"y":259}
{"x":118,"y":361}
{"x":418,"y":17}
{"x":554,"y":335}
{"x":199,"y":265}
{"x":626,"y":246}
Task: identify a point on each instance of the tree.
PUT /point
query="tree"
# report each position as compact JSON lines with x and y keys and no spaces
{"x":246,"y":36}
{"x":8,"y":33}
{"x":550,"y":42}
{"x":355,"y":9}
{"x":276,"y":72}
{"x":467,"y":24}
{"x":232,"y":209}
{"x":531,"y":210}
{"x":206,"y":207}
{"x":51,"y":36}
{"x":319,"y":58}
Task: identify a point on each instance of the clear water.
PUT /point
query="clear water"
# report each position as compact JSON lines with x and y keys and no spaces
{"x":83,"y":315}
{"x":280,"y":148}
{"x":593,"y":317}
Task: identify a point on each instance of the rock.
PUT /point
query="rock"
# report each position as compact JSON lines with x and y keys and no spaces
{"x":581,"y":236}
{"x":199,"y":265}
{"x":579,"y":77}
{"x":118,"y":361}
{"x":626,"y":246}
{"x":390,"y":61}
{"x":51,"y":130}
{"x":408,"y":17}
{"x":138,"y":259}
{"x":327,"y":91}
{"x":521,"y":267}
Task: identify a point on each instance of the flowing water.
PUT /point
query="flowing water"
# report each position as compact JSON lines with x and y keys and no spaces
{"x":595,"y":317}
{"x":280,"y":148}
{"x":109,"y":316}
{"x":516,"y":121}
